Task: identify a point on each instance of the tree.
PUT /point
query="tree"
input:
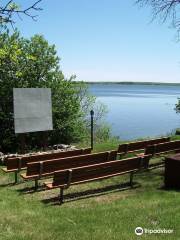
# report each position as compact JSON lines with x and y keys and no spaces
{"x":34,"y":63}
{"x":165,"y":9}
{"x":11,"y":8}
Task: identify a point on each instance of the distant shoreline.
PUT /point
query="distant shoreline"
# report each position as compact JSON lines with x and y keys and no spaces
{"x":136,"y":83}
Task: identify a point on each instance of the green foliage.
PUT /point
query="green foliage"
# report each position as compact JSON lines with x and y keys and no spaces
{"x":177,"y":106}
{"x":102,"y":133}
{"x":102,"y":130}
{"x":26,"y":63}
{"x":13,"y":6}
{"x":177,"y":132}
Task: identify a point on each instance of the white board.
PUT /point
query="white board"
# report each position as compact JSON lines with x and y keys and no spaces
{"x":32,"y":109}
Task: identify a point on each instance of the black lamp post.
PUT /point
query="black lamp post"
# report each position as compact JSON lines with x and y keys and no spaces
{"x":92,"y":128}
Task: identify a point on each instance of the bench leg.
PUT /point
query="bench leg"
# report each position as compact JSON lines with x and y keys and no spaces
{"x":131,"y":179}
{"x":121,"y":156}
{"x":16,"y":177}
{"x":61,"y":195}
{"x":36,"y":184}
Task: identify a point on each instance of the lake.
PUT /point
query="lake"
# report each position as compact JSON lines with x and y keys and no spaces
{"x":138,"y":111}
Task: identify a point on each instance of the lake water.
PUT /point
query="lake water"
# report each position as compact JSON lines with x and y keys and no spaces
{"x":136,"y":111}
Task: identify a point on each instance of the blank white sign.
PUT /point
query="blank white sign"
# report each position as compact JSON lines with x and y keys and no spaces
{"x":32,"y":109}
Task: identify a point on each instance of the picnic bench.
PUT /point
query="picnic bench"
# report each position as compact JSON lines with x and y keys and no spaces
{"x":133,"y":147}
{"x":65,"y":178}
{"x":38,"y":170}
{"x":17,"y":164}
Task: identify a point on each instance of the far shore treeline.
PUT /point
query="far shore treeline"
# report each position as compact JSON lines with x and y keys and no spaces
{"x":134,"y":83}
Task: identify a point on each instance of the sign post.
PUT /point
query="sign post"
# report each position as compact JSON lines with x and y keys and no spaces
{"x":22,"y":143}
{"x":92,"y":129}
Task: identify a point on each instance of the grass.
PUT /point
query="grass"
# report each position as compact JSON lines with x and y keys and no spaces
{"x":105,"y":209}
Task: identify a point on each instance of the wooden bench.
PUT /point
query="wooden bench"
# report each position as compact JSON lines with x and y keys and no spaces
{"x":37,"y":170}
{"x":162,"y":148}
{"x":65,"y":178}
{"x":17,"y":164}
{"x":133,"y":147}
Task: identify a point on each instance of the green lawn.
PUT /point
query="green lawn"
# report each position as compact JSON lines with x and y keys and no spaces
{"x":105,"y":209}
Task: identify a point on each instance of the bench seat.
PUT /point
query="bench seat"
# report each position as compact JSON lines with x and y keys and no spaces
{"x":17,"y":164}
{"x":50,"y":185}
{"x":133,"y":147}
{"x":38,"y":170}
{"x":65,"y":178}
{"x":163,"y":148}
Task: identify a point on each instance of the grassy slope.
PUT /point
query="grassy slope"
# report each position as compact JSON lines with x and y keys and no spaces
{"x":110,"y":215}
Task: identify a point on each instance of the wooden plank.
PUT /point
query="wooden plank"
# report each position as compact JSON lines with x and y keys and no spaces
{"x":97,"y":171}
{"x":140,"y":145}
{"x":134,"y":146}
{"x":163,"y":147}
{"x":51,"y":166}
{"x":13,"y":163}
{"x":52,"y":185}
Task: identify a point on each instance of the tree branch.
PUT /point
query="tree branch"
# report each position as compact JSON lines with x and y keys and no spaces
{"x":165,"y":9}
{"x":11,"y":8}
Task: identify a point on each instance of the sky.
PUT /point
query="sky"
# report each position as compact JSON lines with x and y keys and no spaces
{"x":107,"y":40}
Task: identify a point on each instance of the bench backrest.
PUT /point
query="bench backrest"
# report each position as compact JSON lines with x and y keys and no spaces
{"x":163,"y":148}
{"x":19,"y":163}
{"x":140,"y":145}
{"x":49,"y":167}
{"x":98,"y":171}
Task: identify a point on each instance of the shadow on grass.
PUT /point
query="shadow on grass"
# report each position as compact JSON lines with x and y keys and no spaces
{"x":31,"y":189}
{"x":8,"y":184}
{"x":70,"y":197}
{"x":150,"y":173}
